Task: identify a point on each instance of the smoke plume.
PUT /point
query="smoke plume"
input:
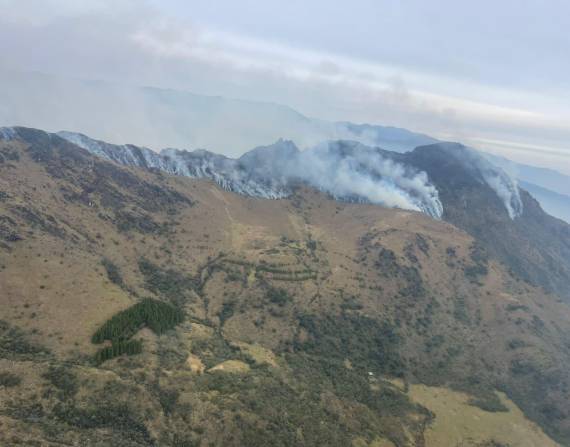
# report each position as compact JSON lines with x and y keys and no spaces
{"x":504,"y":185}
{"x":348,"y":171}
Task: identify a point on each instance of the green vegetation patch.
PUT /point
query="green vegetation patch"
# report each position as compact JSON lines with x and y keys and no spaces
{"x":369,"y":344}
{"x":276,"y":271}
{"x":156,"y":315}
{"x":118,"y":348}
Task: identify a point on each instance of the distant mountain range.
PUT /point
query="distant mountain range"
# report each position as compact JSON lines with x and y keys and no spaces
{"x":159,"y":118}
{"x":555,"y":204}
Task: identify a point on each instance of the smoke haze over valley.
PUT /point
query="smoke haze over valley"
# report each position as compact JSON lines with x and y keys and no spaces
{"x":158,"y":118}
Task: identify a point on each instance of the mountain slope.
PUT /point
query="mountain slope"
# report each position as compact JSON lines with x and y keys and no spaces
{"x":306,"y":321}
{"x":534,"y":245}
{"x":553,"y":203}
{"x":444,"y":180}
{"x":347,"y":170}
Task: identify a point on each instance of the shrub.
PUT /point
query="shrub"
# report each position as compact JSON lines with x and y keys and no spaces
{"x":14,"y":342}
{"x":117,"y":416}
{"x":278,"y":296}
{"x":9,"y":380}
{"x":351,"y":303}
{"x":514,"y":307}
{"x":113,"y":272}
{"x":521,"y":367}
{"x":460,"y":311}
{"x":367,"y":343}
{"x":516,"y":343}
{"x":312,"y":245}
{"x":169,"y":283}
{"x":480,"y":262}
{"x":168,"y":398}
{"x":63,"y":379}
{"x":474,"y":271}
{"x":490,"y":403}
{"x":227,"y":311}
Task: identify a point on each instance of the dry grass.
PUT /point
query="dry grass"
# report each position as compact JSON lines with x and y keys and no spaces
{"x":459,"y":424}
{"x":56,"y":290}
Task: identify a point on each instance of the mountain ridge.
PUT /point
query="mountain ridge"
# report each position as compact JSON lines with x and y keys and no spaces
{"x":170,"y":118}
{"x":284,"y":151}
{"x":265,"y":171}
{"x":443,"y":180}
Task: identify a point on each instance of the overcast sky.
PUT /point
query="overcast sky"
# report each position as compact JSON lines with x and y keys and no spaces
{"x":494,"y":74}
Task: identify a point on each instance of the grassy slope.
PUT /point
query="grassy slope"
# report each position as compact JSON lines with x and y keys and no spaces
{"x":366,"y":290}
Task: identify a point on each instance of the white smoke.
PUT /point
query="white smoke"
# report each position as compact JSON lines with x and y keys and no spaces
{"x":506,"y":189}
{"x":343,"y":179}
{"x":362,"y":173}
{"x":7,"y":133}
{"x":503,"y":184}
{"x":351,"y":171}
{"x":347,"y":170}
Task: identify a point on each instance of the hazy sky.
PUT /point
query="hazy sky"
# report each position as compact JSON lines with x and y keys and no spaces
{"x":494,"y":74}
